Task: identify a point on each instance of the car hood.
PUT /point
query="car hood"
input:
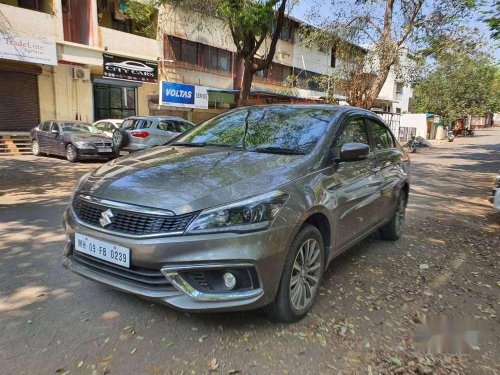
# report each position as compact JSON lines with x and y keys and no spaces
{"x":88,"y":137}
{"x":184,"y":179}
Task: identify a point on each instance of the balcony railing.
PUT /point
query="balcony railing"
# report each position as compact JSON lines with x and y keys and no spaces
{"x":125,"y":43}
{"x":18,"y":20}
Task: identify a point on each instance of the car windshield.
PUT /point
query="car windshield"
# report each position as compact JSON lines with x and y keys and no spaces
{"x":72,"y":128}
{"x":277,"y":129}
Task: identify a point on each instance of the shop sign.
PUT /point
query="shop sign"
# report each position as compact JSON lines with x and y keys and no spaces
{"x":23,"y":48}
{"x":126,"y":69}
{"x":176,"y":94}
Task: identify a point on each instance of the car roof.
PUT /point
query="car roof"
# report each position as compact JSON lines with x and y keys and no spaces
{"x":109,"y":120}
{"x":76,"y":122}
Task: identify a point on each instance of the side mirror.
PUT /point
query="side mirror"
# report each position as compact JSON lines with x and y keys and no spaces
{"x":354,"y":151}
{"x":54,"y":131}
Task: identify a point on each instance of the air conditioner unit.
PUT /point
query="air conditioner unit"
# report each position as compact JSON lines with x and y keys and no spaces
{"x":81,"y":73}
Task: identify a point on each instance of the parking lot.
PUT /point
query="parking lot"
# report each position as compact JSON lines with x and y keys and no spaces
{"x":446,"y":264}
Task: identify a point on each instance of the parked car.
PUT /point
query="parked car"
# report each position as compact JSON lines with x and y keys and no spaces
{"x":244,"y":211}
{"x":108,"y":126}
{"x":139,"y":133}
{"x":495,"y":196}
{"x":73,"y":139}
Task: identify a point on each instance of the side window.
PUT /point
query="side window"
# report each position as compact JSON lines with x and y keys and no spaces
{"x":54,"y":126}
{"x":101,"y":126}
{"x":184,"y":126}
{"x":354,"y":131}
{"x":45,"y":127}
{"x":168,"y":126}
{"x":381,"y":136}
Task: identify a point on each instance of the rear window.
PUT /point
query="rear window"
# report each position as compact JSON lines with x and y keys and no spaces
{"x":134,"y":124}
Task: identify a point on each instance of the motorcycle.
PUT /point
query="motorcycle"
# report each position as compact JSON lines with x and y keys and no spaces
{"x":412,"y":145}
{"x":468,"y":132}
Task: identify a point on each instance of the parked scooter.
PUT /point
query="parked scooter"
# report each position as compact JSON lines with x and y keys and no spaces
{"x":413,"y":143}
{"x":451,"y":136}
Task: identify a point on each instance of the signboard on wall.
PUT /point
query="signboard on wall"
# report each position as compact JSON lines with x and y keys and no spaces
{"x":126,"y":69}
{"x":24,"y":48}
{"x":176,"y":94}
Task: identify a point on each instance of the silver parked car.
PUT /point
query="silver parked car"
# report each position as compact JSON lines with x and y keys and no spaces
{"x":139,"y":133}
{"x":108,"y":126}
{"x":244,"y":211}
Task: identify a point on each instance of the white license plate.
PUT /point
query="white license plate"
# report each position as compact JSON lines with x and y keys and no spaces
{"x":105,"y":149}
{"x":102,"y":250}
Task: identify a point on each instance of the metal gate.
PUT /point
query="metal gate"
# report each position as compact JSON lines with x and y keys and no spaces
{"x":19,"y":104}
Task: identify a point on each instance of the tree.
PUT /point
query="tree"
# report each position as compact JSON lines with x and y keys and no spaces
{"x":389,"y":31}
{"x":255,"y":27}
{"x":458,"y":85}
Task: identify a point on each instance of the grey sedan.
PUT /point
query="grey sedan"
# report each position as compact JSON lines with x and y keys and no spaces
{"x":73,"y":139}
{"x":243,"y":211}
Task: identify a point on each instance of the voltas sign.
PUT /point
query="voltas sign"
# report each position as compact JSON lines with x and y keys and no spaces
{"x":125,"y":69}
{"x":181,"y":95}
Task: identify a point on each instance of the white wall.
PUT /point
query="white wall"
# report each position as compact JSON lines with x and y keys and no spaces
{"x":415,"y":120}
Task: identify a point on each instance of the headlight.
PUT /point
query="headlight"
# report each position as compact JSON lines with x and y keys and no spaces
{"x":251,"y":214}
{"x":83,"y":144}
{"x":80,"y":183}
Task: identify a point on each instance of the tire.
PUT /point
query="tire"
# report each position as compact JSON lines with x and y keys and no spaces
{"x":71,"y":153}
{"x":288,"y":306}
{"x":393,"y":229}
{"x":120,"y":138}
{"x":35,"y":148}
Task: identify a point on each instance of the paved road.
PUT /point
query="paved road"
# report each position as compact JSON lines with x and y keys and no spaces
{"x":52,"y":321}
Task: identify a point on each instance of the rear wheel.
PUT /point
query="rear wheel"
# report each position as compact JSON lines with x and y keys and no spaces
{"x":71,"y":153}
{"x":35,"y":148}
{"x":301,"y":276}
{"x":393,"y":230}
{"x":120,"y":138}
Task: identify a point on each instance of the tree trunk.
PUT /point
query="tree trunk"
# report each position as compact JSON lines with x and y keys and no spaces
{"x":246,"y":83}
{"x":372,"y":93}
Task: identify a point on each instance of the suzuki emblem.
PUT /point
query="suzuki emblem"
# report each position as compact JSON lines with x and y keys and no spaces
{"x":106,"y":218}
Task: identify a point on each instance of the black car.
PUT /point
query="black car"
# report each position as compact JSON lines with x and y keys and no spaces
{"x":73,"y":139}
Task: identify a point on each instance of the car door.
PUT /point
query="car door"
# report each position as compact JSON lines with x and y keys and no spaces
{"x":389,"y":158}
{"x":355,"y":187}
{"x":41,"y":136}
{"x":168,"y":129}
{"x":54,"y":139}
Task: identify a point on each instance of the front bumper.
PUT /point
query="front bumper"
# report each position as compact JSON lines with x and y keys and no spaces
{"x":264,"y":252}
{"x":93,"y":153}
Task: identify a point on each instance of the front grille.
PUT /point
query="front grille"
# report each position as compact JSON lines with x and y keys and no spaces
{"x":103,"y":144}
{"x":129,"y":222}
{"x":143,"y":277}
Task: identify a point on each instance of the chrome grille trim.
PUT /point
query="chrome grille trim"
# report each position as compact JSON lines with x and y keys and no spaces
{"x":141,"y":223}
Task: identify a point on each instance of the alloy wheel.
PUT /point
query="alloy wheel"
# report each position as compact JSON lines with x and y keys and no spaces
{"x":306,"y":273}
{"x":70,"y":153}
{"x":117,"y":138}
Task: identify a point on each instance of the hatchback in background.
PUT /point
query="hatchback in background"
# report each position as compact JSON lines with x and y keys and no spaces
{"x":73,"y":139}
{"x":108,"y":126}
{"x":139,"y":133}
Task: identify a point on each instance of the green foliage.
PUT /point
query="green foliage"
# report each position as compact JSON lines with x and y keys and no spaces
{"x":143,"y":13}
{"x":492,"y":19}
{"x":459,"y":85}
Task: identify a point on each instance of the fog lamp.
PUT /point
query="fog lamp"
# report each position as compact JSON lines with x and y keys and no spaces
{"x":229,"y":280}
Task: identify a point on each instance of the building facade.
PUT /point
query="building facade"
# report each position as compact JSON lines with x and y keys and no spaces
{"x":68,"y":59}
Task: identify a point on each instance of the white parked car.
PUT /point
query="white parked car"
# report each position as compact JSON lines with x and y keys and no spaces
{"x":108,"y":126}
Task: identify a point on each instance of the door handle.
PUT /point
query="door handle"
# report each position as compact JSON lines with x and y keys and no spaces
{"x":376,"y":169}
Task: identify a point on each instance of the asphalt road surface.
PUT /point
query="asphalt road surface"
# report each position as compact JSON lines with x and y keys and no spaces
{"x":373,"y":298}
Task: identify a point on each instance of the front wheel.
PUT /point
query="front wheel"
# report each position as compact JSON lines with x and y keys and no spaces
{"x":35,"y":148}
{"x":71,"y":153}
{"x":301,"y":276}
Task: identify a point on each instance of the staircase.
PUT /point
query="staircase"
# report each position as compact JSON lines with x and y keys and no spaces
{"x":15,"y":144}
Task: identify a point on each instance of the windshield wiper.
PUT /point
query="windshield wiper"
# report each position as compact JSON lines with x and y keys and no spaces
{"x":189,"y":144}
{"x":278,"y":150}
